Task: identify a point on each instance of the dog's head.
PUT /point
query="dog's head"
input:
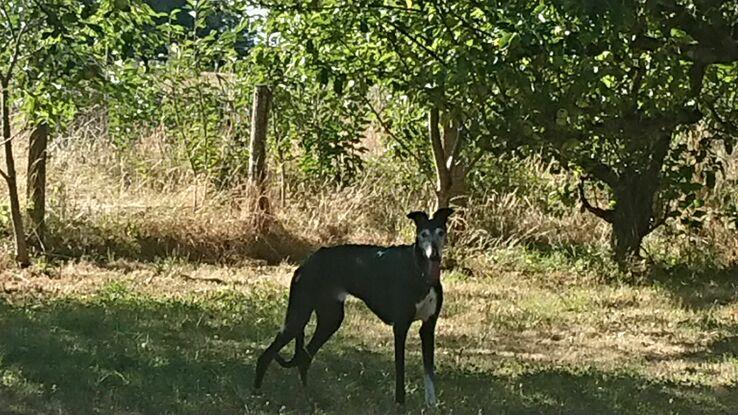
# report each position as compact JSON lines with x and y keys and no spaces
{"x":430,"y":238}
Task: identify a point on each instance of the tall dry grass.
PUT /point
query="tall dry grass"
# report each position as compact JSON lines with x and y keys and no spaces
{"x":143,"y":202}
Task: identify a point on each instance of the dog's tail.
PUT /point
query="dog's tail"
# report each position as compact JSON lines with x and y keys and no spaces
{"x":299,"y":343}
{"x":286,"y":363}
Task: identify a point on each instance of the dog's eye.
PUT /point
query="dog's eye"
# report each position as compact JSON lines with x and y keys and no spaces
{"x":441,"y":232}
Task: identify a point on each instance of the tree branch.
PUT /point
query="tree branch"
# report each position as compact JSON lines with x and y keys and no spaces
{"x":389,"y":131}
{"x":451,"y":141}
{"x":377,"y":6}
{"x":608,"y":215}
{"x":443,"y":14}
{"x":16,"y":55}
{"x":603,"y":172}
{"x":418,"y":43}
{"x":696,"y":75}
{"x":715,"y":45}
{"x":474,"y":160}
{"x":658,"y":153}
{"x":444,"y":178}
{"x":6,"y":14}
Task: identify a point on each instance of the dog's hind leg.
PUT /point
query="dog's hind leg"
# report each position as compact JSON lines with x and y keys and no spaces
{"x":298,"y":315}
{"x":330,"y":316}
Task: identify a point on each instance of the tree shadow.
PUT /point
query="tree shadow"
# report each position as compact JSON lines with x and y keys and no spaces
{"x":594,"y":255}
{"x":271,"y":242}
{"x":122,"y":353}
{"x":697,"y":287}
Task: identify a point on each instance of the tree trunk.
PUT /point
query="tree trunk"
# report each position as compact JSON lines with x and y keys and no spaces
{"x":21,"y":250}
{"x":635,"y":194}
{"x":282,"y":186}
{"x":450,"y":173}
{"x":36,"y":182}
{"x":632,"y":218}
{"x":457,"y":169}
{"x":634,"y":191}
{"x":443,"y":176}
{"x":257,"y":161}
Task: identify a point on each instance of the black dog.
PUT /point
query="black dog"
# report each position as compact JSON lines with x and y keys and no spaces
{"x":400,"y":284}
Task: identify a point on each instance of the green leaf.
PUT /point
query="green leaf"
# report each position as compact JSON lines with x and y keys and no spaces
{"x":338,"y":83}
{"x":323,"y":76}
{"x":608,"y":80}
{"x":504,"y":39}
{"x":122,"y":5}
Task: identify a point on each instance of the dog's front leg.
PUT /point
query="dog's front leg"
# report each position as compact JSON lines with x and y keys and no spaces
{"x":427,"y":339}
{"x":400,"y":330}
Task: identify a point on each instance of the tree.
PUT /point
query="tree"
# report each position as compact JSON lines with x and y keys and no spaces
{"x":318,"y":116}
{"x":411,"y":52}
{"x":62,"y":46}
{"x":604,"y":87}
{"x":18,"y":21}
{"x":54,"y":84}
{"x":225,"y":16}
{"x":623,"y":81}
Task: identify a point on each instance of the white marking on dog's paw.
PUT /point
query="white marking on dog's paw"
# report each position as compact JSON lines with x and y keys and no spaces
{"x":430,"y":391}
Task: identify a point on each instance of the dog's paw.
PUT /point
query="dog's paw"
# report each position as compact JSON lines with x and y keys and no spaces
{"x":399,"y":408}
{"x":430,"y":393}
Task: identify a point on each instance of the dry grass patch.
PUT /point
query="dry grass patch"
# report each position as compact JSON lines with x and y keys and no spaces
{"x":507,"y":342}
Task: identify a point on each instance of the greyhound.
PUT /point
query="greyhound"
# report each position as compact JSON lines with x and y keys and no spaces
{"x":400,"y":284}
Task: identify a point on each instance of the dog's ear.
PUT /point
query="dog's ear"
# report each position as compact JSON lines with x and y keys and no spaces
{"x":418,"y":217}
{"x":442,"y":214}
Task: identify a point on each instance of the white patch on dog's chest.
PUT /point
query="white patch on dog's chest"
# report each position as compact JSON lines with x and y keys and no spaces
{"x":427,"y":306}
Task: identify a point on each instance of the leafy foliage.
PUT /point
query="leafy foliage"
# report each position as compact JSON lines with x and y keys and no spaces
{"x":609,"y":89}
{"x":635,"y":97}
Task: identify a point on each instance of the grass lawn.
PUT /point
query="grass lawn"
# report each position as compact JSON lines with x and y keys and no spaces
{"x":518,"y":336}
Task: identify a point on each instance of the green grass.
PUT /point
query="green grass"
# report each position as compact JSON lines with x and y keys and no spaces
{"x":507,"y":343}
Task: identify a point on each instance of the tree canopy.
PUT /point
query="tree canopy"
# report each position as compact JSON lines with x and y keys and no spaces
{"x":607,"y":88}
{"x":611,"y":90}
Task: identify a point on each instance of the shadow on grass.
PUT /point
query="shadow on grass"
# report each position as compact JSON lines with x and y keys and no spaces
{"x":119,"y":352}
{"x":698,"y":287}
{"x":192,"y":242}
{"x":717,"y":351}
{"x":695,"y":286}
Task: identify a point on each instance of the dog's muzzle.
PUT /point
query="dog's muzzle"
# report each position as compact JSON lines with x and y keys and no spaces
{"x":434,"y":254}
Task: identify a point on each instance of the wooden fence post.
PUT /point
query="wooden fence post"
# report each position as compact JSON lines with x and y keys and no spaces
{"x":36,"y":182}
{"x":257,"y":157}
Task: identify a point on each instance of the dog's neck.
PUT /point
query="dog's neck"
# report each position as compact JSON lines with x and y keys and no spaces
{"x":424,"y":266}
